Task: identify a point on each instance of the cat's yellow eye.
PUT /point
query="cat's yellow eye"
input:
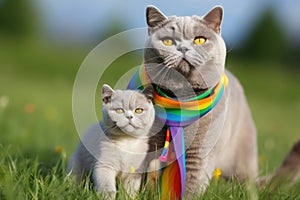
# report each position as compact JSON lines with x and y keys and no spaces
{"x":199,"y":40}
{"x":168,"y":42}
{"x":139,"y":110}
{"x":119,"y":111}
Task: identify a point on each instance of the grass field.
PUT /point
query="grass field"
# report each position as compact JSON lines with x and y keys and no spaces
{"x":37,"y":133}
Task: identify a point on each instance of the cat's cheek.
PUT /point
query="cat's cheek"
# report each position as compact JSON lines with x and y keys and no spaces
{"x":121,"y":123}
{"x":146,"y":120}
{"x":112,"y":116}
{"x":158,"y":46}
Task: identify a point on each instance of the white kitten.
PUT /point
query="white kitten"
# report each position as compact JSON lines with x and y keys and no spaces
{"x":116,"y":147}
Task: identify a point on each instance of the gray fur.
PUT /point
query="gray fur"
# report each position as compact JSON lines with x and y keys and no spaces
{"x":201,"y":67}
{"x":226,"y":137}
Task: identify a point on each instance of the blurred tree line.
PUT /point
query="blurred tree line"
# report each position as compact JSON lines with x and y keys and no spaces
{"x":16,"y":18}
{"x":267,"y":42}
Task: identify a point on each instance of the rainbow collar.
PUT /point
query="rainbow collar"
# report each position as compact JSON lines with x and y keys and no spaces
{"x":183,"y":113}
{"x":176,"y":115}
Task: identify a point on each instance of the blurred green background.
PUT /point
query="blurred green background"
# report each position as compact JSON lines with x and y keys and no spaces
{"x":38,"y":67}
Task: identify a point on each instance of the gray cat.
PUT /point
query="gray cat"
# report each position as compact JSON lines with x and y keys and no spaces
{"x":184,"y":57}
{"x":119,"y":150}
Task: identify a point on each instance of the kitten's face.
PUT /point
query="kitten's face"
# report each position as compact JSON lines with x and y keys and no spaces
{"x":126,"y":110}
{"x":185,"y":51}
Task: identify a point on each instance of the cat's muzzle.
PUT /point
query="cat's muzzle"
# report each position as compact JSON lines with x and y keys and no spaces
{"x":184,"y":67}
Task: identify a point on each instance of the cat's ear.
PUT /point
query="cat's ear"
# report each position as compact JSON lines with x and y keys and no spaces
{"x":214,"y":18}
{"x":148,"y":92}
{"x":107,"y":92}
{"x":154,"y":16}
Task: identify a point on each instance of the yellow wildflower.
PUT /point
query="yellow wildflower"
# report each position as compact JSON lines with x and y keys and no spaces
{"x":217,"y":173}
{"x":132,"y":169}
{"x":58,"y":149}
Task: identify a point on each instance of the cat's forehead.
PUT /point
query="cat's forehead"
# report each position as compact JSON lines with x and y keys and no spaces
{"x":187,"y":26}
{"x":129,"y":98}
{"x":128,"y":94}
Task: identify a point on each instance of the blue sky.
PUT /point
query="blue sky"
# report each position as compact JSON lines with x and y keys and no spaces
{"x":81,"y":19}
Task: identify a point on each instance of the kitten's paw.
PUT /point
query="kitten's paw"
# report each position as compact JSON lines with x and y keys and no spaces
{"x":132,"y":184}
{"x":154,"y":173}
{"x":110,"y":195}
{"x":104,"y":180}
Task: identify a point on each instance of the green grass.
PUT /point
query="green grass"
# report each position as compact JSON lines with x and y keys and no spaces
{"x":38,"y":82}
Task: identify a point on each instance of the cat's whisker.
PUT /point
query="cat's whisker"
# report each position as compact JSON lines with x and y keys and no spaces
{"x":158,"y":73}
{"x":161,"y":80}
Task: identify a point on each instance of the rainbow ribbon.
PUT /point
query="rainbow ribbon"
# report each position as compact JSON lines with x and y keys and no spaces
{"x":176,"y":114}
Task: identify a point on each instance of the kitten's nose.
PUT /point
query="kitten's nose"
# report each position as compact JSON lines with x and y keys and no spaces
{"x":182,"y":48}
{"x":129,"y":114}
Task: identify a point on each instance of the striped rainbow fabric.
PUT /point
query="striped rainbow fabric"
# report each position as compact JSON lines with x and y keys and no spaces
{"x":176,"y":115}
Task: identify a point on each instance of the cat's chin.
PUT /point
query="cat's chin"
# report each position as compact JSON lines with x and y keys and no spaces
{"x":184,"y":67}
{"x":130,"y":130}
{"x":180,"y":92}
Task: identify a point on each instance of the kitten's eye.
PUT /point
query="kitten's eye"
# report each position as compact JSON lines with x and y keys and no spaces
{"x":119,"y":111}
{"x":199,"y":40}
{"x":168,"y":42}
{"x":139,"y":110}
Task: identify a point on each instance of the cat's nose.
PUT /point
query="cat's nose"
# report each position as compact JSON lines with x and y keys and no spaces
{"x":129,"y":114}
{"x":182,"y":48}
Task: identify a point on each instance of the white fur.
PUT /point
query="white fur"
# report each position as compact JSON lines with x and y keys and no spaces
{"x":115,"y":149}
{"x":109,"y":158}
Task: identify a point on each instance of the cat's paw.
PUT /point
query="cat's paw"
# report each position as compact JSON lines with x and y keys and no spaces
{"x":154,"y":173}
{"x":110,"y":195}
{"x":132,"y":184}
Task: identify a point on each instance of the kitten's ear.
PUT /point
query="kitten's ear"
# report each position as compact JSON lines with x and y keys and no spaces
{"x":148,"y":92}
{"x":154,"y":16}
{"x":107,"y":92}
{"x":214,"y":18}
